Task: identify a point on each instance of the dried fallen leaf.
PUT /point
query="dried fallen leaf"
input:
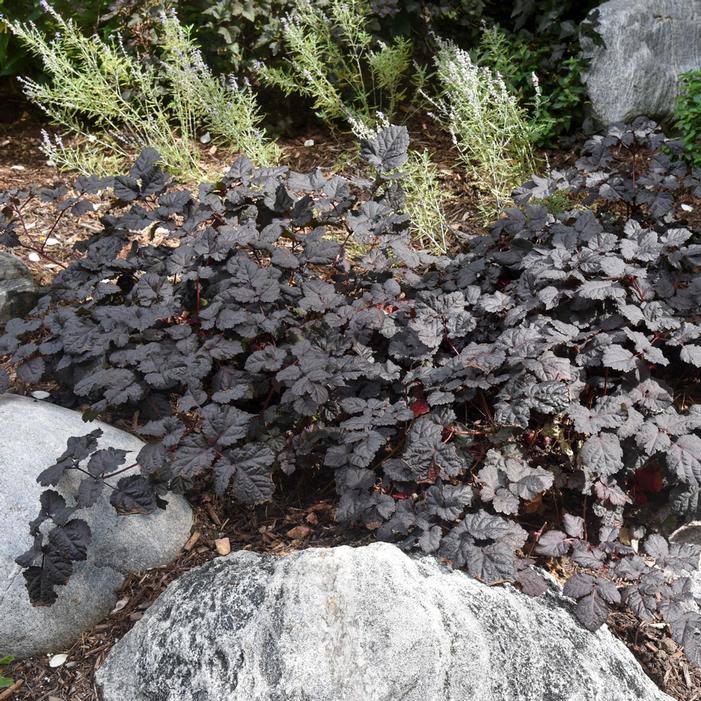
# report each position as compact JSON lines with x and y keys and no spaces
{"x":299,"y":532}
{"x":58,"y":660}
{"x":119,"y":605}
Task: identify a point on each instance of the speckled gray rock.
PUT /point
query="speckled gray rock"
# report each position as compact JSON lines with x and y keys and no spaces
{"x":648,"y":44}
{"x":32,"y":435}
{"x":18,"y":292}
{"x":361,"y":624}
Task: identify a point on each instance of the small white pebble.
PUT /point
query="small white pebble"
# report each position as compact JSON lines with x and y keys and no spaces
{"x":309,"y":142}
{"x":52,"y":242}
{"x":34,"y":257}
{"x":687,"y":208}
{"x":18,"y":167}
{"x":58,"y":660}
{"x":205,"y":138}
{"x":50,"y":265}
{"x":40,"y":394}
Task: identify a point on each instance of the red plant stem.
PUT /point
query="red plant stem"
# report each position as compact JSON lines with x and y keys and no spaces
{"x":40,"y":251}
{"x":51,"y":230}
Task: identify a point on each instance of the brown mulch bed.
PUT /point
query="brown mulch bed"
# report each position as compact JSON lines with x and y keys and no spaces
{"x":278,"y":528}
{"x":22,"y":164}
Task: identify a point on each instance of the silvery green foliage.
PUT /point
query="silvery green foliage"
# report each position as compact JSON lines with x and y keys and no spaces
{"x":428,"y":386}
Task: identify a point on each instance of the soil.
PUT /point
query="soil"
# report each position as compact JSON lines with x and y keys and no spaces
{"x":306,"y":517}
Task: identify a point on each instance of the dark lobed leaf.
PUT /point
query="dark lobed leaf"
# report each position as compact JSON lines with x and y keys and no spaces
{"x":41,"y":581}
{"x":387,"y":149}
{"x":105,"y":461}
{"x":134,"y":495}
{"x":592,"y":611}
{"x":71,"y":539}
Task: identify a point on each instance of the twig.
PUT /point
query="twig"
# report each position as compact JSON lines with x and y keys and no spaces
{"x":11,"y":690}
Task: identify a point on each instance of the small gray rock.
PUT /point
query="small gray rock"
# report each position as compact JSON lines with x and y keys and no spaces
{"x":18,"y":292}
{"x":690,"y":534}
{"x":33,"y":435}
{"x":648,"y":44}
{"x":362,"y":624}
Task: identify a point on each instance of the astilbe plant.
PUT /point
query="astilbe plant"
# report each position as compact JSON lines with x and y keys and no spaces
{"x":506,"y":402}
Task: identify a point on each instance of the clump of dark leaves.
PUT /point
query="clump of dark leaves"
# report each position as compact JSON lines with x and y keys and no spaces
{"x":465,"y":406}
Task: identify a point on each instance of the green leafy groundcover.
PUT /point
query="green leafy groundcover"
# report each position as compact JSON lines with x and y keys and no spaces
{"x":502,"y":404}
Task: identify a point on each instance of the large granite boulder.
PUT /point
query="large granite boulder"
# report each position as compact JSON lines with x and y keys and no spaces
{"x":648,"y":43}
{"x":18,"y":292}
{"x":32,"y":435}
{"x":362,"y":624}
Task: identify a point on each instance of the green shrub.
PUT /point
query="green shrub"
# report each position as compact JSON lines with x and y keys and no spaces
{"x":688,"y":115}
{"x":424,"y":204}
{"x":335,"y":62}
{"x":489,"y":128}
{"x":553,"y":94}
{"x":352,"y":78}
{"x":116,"y":103}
